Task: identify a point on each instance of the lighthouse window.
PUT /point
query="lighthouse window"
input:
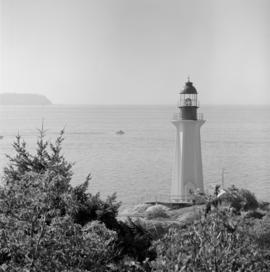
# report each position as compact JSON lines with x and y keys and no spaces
{"x":187,"y":102}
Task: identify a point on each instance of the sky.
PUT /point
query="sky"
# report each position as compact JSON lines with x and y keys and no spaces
{"x":136,"y":51}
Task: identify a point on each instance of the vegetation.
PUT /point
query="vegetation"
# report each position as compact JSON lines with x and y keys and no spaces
{"x":157,"y":211}
{"x":219,"y":242}
{"x":240,"y":199}
{"x":48,"y":225}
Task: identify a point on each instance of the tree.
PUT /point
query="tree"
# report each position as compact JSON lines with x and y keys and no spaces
{"x":48,"y":156}
{"x":38,"y":211}
{"x":35,"y":236}
{"x":43,"y":219}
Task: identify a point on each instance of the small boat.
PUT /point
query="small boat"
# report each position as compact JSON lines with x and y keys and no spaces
{"x":1,"y":137}
{"x":120,"y":132}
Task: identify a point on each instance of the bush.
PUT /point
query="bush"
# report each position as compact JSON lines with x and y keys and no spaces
{"x":134,"y":241}
{"x":217,"y":243}
{"x":199,"y":199}
{"x":48,"y":159}
{"x":261,"y":232}
{"x":35,"y":236}
{"x":250,"y":201}
{"x":48,"y":225}
{"x":101,"y":242}
{"x":157,"y":211}
{"x":240,"y":199}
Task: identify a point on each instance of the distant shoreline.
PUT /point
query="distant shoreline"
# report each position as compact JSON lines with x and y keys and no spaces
{"x":48,"y":102}
{"x":23,"y":99}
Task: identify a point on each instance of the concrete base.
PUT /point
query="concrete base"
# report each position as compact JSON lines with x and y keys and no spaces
{"x":171,"y":205}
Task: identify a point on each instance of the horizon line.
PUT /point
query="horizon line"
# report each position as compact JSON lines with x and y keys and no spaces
{"x":122,"y":104}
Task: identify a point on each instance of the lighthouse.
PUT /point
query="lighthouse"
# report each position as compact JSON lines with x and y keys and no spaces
{"x":187,"y":170}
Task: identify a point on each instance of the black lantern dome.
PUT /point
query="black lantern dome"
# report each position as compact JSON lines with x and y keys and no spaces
{"x":189,"y":88}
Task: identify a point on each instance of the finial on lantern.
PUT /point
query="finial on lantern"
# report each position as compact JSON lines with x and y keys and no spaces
{"x":188,"y":79}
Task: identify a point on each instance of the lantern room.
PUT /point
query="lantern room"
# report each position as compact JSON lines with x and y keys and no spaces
{"x":189,"y":102}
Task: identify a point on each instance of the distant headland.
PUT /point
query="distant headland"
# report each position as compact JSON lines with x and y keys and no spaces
{"x":23,"y":99}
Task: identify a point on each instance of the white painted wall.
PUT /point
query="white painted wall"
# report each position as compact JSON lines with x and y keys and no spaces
{"x":187,"y":170}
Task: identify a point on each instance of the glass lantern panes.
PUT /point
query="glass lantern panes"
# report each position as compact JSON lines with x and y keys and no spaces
{"x":188,"y":100}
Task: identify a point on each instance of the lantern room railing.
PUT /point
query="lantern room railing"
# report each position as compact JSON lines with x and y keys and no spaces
{"x":178,"y":116}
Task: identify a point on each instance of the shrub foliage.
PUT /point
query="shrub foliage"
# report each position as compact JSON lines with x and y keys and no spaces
{"x":219,"y":242}
{"x":48,"y":225}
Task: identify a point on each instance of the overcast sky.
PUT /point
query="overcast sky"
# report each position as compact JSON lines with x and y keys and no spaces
{"x":136,"y":51}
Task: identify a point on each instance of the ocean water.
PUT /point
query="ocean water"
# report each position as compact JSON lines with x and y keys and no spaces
{"x":138,"y":164}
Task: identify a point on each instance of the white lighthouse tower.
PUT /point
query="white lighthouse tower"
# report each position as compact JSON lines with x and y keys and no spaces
{"x":187,"y":170}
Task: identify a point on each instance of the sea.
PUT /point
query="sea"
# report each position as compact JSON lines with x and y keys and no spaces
{"x":138,"y":164}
